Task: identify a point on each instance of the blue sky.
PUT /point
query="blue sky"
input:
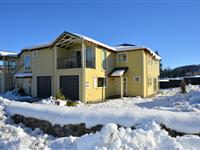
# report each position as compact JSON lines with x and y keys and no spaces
{"x":170,"y":27}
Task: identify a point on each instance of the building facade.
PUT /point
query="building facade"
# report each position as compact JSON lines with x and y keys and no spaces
{"x":87,"y":70}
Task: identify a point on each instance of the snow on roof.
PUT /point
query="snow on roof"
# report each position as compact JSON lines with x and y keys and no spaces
{"x":118,"y":73}
{"x":164,"y":80}
{"x":94,"y":41}
{"x":23,"y":75}
{"x":47,"y":44}
{"x":121,"y":48}
{"x":4,"y":53}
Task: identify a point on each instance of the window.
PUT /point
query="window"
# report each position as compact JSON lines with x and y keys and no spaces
{"x":155,"y":87}
{"x":27,"y":62}
{"x":104,"y":59}
{"x":136,"y":78}
{"x":35,"y":54}
{"x":122,"y":57}
{"x":101,"y":82}
{"x":90,"y":58}
{"x":149,"y":81}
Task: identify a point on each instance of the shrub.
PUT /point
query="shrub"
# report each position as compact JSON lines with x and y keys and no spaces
{"x":183,"y":86}
{"x":59,"y":95}
{"x":71,"y":103}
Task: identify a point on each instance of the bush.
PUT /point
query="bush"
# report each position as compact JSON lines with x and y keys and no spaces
{"x":183,"y":86}
{"x":71,"y":103}
{"x":59,"y":95}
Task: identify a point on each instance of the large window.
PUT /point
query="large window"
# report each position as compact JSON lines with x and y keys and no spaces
{"x":101,"y":82}
{"x":104,"y":59}
{"x":122,"y":57}
{"x":90,"y":57}
{"x":27,"y":62}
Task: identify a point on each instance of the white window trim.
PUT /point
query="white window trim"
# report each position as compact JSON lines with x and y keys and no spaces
{"x":106,"y":82}
{"x":30,"y":62}
{"x":121,"y":53}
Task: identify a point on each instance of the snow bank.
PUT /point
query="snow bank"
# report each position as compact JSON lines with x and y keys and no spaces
{"x":148,"y":136}
{"x":179,"y":121}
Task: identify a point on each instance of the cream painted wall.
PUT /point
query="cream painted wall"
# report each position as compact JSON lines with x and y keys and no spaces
{"x":135,"y":65}
{"x":41,"y":66}
{"x":44,"y":64}
{"x":94,"y":93}
{"x":151,"y":71}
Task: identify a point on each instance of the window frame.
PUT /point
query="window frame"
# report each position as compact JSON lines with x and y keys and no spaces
{"x":121,"y":60}
{"x":25,"y":69}
{"x":93,"y":57}
{"x":104,"y":56}
{"x":105,"y":82}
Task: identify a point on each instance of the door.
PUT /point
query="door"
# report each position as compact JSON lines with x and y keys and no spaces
{"x":70,"y":86}
{"x":125,"y":84}
{"x":44,"y":86}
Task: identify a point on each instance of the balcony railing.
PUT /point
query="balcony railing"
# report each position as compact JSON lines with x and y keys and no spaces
{"x":69,"y":62}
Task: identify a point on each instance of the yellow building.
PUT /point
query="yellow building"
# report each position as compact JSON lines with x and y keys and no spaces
{"x":87,"y":70}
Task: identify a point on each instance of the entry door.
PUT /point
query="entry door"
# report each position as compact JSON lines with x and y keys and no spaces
{"x":125,"y":84}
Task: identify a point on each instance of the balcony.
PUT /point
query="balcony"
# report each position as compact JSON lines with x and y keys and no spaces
{"x":69,"y":62}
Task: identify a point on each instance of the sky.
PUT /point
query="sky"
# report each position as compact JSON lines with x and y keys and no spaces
{"x":170,"y":27}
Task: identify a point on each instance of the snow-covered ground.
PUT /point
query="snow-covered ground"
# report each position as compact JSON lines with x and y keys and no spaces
{"x":147,"y":135}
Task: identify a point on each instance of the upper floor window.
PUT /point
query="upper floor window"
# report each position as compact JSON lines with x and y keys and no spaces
{"x":122,"y":57}
{"x":27,"y":62}
{"x":90,"y":57}
{"x":104,"y":59}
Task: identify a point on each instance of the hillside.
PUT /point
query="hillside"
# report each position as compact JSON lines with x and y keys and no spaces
{"x":189,"y":70}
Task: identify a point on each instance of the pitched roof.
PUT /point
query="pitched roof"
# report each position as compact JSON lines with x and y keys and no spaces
{"x":128,"y":47}
{"x":119,"y":48}
{"x":6,"y":53}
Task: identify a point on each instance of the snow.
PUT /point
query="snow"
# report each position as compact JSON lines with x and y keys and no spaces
{"x":118,"y":73}
{"x":94,"y":41}
{"x":115,"y":49}
{"x":40,"y":45}
{"x":14,"y":95}
{"x":176,"y":110}
{"x":164,"y":80}
{"x":4,"y":53}
{"x":22,"y":75}
{"x":180,"y":121}
{"x":129,"y":48}
{"x":128,"y":116}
